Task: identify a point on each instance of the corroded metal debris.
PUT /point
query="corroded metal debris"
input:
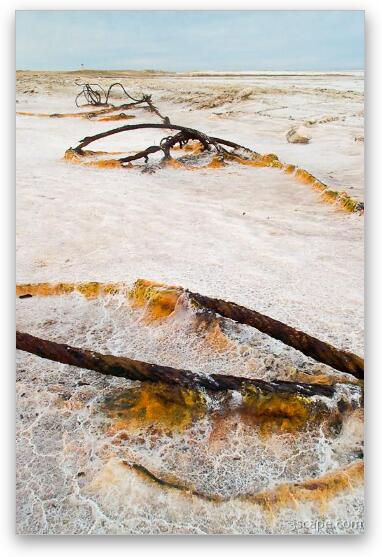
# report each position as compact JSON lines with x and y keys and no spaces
{"x":136,"y":370}
{"x":162,"y":300}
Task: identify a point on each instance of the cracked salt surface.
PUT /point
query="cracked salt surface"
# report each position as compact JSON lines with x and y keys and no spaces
{"x":73,"y":414}
{"x":290,"y":256}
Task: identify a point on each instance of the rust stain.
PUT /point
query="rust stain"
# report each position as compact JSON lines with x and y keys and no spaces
{"x":105,"y":163}
{"x":318,"y":491}
{"x":322,"y":379}
{"x":192,"y":146}
{"x":81,"y":158}
{"x":216,"y":337}
{"x":262,"y":161}
{"x":161,"y":406}
{"x":268,"y":414}
{"x":87,"y":289}
{"x":340,"y":198}
{"x":116,"y":117}
{"x":216,"y":162}
{"x":168,"y":408}
{"x":57,"y":115}
{"x":98,"y":116}
{"x":173,"y":163}
{"x":159,"y":300}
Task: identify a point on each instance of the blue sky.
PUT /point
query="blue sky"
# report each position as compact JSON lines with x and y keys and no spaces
{"x":190,"y":40}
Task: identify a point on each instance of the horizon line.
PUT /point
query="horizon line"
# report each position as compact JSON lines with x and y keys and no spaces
{"x":185,"y":71}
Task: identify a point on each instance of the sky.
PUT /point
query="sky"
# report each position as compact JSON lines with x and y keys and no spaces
{"x":190,"y":40}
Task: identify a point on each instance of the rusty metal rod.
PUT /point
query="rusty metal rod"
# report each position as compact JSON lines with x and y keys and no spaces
{"x":310,"y":346}
{"x":135,"y":370}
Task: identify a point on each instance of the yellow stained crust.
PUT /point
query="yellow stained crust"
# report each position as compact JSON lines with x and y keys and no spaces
{"x":215,"y":162}
{"x":287,"y":413}
{"x":87,"y":289}
{"x":165,"y":407}
{"x":261,"y":161}
{"x":71,"y":153}
{"x":214,"y":334}
{"x":57,"y":115}
{"x":158,"y":300}
{"x":319,"y":491}
{"x":106,"y":163}
{"x":171,"y":408}
{"x":76,"y":158}
{"x":116,"y":117}
{"x":191,"y":146}
{"x":268,"y":414}
{"x":98,"y":116}
{"x":340,"y":199}
{"x":322,"y":379}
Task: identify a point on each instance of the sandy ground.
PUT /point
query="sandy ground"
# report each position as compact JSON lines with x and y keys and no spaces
{"x":252,"y":235}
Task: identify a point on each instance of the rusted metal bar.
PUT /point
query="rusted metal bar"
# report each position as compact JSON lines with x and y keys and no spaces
{"x":142,"y":371}
{"x":310,"y":346}
{"x":191,"y":133}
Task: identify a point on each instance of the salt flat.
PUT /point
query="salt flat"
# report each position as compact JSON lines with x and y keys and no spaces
{"x":255,"y":236}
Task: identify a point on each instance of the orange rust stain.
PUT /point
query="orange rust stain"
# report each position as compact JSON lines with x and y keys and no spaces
{"x":173,"y":163}
{"x":74,"y":405}
{"x":81,"y":158}
{"x":257,"y":160}
{"x":304,"y":176}
{"x":163,"y":406}
{"x":115,"y":117}
{"x":97,"y":115}
{"x":46,"y":115}
{"x":275,"y":413}
{"x":341,"y":199}
{"x":216,"y":162}
{"x":194,"y":147}
{"x":159,"y":300}
{"x":88,"y":153}
{"x":289,"y":168}
{"x":71,"y":153}
{"x":347,"y":203}
{"x":223,"y":426}
{"x":174,"y":408}
{"x":87,"y":289}
{"x":319,"y":186}
{"x":214,"y":336}
{"x":258,"y":163}
{"x":316,"y":379}
{"x":72,"y":156}
{"x":268,"y":414}
{"x":106,"y":163}
{"x":330,"y":195}
{"x":319,"y":490}
{"x":322,"y":379}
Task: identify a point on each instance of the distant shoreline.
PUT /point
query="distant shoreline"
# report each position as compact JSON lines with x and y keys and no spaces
{"x":210,"y":73}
